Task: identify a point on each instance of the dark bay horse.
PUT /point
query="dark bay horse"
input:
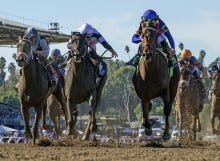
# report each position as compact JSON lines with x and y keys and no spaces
{"x":33,"y":87}
{"x":80,"y":85}
{"x":215,"y":101}
{"x":151,"y":79}
{"x":189,"y":104}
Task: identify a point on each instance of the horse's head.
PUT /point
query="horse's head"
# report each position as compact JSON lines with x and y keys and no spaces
{"x":149,"y":37}
{"x":184,"y":76}
{"x":216,"y":83}
{"x":24,"y":52}
{"x":77,"y":46}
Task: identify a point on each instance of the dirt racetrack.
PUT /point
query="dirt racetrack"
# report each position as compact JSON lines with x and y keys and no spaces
{"x":93,"y":150}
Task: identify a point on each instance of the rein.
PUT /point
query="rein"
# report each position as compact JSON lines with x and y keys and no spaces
{"x":27,"y":56}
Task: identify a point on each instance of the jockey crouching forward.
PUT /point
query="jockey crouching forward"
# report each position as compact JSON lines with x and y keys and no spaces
{"x":92,"y":38}
{"x":160,"y":26}
{"x":196,"y":68}
{"x":210,"y":73}
{"x":58,"y":62}
{"x":40,"y":50}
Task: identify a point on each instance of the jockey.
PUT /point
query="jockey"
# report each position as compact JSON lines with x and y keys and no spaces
{"x":93,"y":36}
{"x":161,"y":40}
{"x":58,"y":61}
{"x":40,"y":48}
{"x":210,"y":72}
{"x":196,"y":67}
{"x":214,"y":68}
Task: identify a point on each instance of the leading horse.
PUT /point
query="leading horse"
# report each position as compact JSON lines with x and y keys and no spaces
{"x":33,"y":87}
{"x":80,"y":84}
{"x":215,"y":101}
{"x":151,"y":78}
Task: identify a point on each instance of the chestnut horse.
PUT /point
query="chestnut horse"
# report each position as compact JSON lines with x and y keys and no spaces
{"x":151,"y":78}
{"x":215,"y":101}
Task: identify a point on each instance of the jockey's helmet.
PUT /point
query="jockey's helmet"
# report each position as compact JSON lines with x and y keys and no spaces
{"x":86,"y":29}
{"x":32,"y":35}
{"x":55,"y":53}
{"x":186,"y":53}
{"x":30,"y":32}
{"x":149,"y":15}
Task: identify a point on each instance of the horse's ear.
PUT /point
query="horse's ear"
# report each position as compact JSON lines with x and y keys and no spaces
{"x":19,"y":38}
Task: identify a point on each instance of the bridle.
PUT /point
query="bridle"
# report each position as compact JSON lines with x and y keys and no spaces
{"x":75,"y":49}
{"x":184,"y":68}
{"x":148,"y":42}
{"x":26,"y":56}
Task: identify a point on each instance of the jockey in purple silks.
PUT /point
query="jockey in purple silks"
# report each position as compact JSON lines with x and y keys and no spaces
{"x":160,"y":26}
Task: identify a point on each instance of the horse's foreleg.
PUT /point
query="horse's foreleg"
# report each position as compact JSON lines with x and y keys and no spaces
{"x":199,"y":124}
{"x":71,"y":110}
{"x":213,"y":122}
{"x":146,"y":109}
{"x":194,"y":123}
{"x":25,"y":115}
{"x":38,"y":112}
{"x":167,"y":111}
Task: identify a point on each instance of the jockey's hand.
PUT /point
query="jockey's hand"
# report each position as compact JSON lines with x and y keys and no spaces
{"x":172,"y":51}
{"x":114,"y":54}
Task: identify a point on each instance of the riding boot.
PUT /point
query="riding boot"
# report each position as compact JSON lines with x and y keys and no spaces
{"x":53,"y":80}
{"x":134,"y":61}
{"x":167,"y":51}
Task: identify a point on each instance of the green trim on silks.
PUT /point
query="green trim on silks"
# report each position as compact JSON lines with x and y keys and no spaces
{"x":141,"y":57}
{"x":170,"y":70}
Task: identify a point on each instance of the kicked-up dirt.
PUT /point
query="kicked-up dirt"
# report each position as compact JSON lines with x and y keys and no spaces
{"x":93,"y":150}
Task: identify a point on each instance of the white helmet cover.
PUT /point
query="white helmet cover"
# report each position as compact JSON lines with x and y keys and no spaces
{"x":86,"y":29}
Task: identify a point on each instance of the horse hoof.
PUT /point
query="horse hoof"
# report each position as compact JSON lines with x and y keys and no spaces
{"x":69,"y":131}
{"x":166,"y":135}
{"x":94,"y":128}
{"x":85,"y":137}
{"x":148,"y":132}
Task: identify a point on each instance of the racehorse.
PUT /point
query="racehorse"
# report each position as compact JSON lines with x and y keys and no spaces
{"x":80,"y":84}
{"x":55,"y":113}
{"x":33,"y":87}
{"x":189,"y":104}
{"x":151,"y":78}
{"x":215,"y":101}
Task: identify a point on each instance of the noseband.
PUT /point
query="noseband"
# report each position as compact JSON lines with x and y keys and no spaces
{"x":26,"y":56}
{"x":148,"y":48}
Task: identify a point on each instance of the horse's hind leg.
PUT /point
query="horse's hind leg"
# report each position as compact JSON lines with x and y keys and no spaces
{"x":44,"y":124}
{"x":218,"y":128}
{"x":91,"y":126}
{"x":25,"y":114}
{"x":59,"y":94}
